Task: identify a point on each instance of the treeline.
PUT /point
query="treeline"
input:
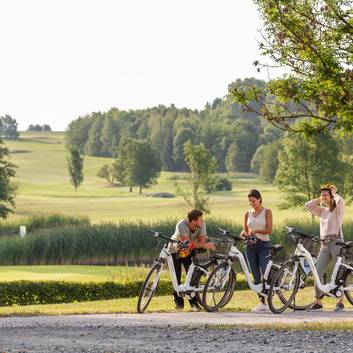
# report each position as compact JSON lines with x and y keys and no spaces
{"x":37,"y":127}
{"x":222,"y":126}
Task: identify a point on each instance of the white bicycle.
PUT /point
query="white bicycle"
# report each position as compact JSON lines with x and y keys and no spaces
{"x":293,"y":276}
{"x":195,"y":278}
{"x":220,"y":286}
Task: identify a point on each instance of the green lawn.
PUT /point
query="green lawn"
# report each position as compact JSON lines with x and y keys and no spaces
{"x":44,"y":188}
{"x":74,"y":273}
{"x":241,"y":301}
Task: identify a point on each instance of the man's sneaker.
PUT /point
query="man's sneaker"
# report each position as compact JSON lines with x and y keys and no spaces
{"x":261,"y":307}
{"x":339,"y":307}
{"x":314,"y":307}
{"x":179,"y":306}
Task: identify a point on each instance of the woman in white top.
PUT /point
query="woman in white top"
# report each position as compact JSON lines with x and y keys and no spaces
{"x":329,"y":207}
{"x":258,"y":223}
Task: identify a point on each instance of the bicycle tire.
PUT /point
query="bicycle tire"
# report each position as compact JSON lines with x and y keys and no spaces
{"x":278,"y":306}
{"x":298,"y":304}
{"x":349,"y":281}
{"x":149,"y":288}
{"x":201,"y":276}
{"x":215,"y":285}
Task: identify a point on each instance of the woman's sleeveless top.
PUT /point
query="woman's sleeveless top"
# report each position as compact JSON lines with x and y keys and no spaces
{"x":258,"y":223}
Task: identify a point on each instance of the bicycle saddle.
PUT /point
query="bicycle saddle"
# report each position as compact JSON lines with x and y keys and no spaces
{"x":277,"y":247}
{"x":345,"y":244}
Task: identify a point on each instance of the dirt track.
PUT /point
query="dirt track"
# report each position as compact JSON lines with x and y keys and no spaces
{"x":174,"y":332}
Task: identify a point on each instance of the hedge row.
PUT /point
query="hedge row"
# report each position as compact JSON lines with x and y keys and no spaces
{"x":55,"y":292}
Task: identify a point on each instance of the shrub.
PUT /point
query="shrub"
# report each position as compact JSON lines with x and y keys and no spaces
{"x":55,"y":292}
{"x":223,"y":184}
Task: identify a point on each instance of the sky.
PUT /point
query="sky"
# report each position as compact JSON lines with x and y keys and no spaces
{"x":61,"y":59}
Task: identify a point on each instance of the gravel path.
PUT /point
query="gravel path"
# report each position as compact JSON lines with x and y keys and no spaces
{"x":174,"y":332}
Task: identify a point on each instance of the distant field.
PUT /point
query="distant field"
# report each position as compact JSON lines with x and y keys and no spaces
{"x":44,"y":188}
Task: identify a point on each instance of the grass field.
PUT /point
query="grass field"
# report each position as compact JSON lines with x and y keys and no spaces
{"x":44,"y":188}
{"x":241,"y":301}
{"x":74,"y":273}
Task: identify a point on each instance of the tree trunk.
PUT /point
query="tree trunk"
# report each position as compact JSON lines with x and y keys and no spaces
{"x":140,"y":189}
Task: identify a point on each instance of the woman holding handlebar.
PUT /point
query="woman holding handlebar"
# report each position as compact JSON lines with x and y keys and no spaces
{"x":258,"y":224}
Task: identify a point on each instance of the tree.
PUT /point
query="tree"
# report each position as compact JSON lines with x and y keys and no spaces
{"x":38,"y":127}
{"x":46,"y":127}
{"x":144,"y":163}
{"x":8,"y":127}
{"x":232,"y":159}
{"x":138,"y":163}
{"x":181,"y":137}
{"x":257,"y":159}
{"x":201,"y":179}
{"x":77,"y":132}
{"x":122,"y":170}
{"x":269,"y":161}
{"x":94,"y":146}
{"x":7,"y":189}
{"x":106,"y":172}
{"x":75,"y":167}
{"x":314,"y":40}
{"x":109,"y":136}
{"x":306,"y":164}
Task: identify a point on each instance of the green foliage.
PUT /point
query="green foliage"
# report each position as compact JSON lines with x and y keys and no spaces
{"x":77,"y":132}
{"x":51,"y":292}
{"x":201,"y":179}
{"x":137,"y":163}
{"x":232,"y":159}
{"x":106,"y":172}
{"x":314,"y":40}
{"x":7,"y":188}
{"x":306,"y":164}
{"x":112,"y":244}
{"x":223,"y":184}
{"x":55,"y":292}
{"x":93,"y":244}
{"x":94,"y":145}
{"x":38,"y":127}
{"x":217,"y":126}
{"x":8,"y":127}
{"x":269,"y":161}
{"x":75,"y":167}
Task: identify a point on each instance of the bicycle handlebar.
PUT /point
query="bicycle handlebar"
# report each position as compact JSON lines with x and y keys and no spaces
{"x":293,"y":231}
{"x":225,"y":233}
{"x":159,"y":235}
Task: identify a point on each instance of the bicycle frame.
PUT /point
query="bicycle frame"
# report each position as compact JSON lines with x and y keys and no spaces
{"x":182,"y":289}
{"x":330,"y":288}
{"x":257,"y":288}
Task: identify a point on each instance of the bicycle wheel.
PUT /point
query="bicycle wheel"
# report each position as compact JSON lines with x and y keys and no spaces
{"x":200,"y":279}
{"x":304,"y":296}
{"x":219,"y":288}
{"x":348,"y":283}
{"x":284,"y":287}
{"x":148,"y":288}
